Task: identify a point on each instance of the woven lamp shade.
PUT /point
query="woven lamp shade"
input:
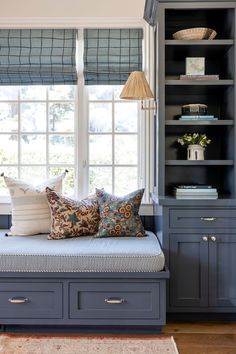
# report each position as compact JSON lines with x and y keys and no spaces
{"x":136,"y":87}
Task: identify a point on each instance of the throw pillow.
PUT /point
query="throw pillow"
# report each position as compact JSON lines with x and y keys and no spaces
{"x":30,"y":210}
{"x":119,"y":215}
{"x":71,"y":218}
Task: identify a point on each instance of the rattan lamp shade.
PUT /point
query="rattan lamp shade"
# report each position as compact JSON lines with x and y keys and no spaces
{"x":136,"y":87}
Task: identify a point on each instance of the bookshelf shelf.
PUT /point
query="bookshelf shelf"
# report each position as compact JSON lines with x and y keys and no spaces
{"x":201,"y":123}
{"x":199,"y":162}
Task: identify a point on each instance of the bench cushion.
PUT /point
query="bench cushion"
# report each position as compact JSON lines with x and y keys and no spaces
{"x":82,"y":254}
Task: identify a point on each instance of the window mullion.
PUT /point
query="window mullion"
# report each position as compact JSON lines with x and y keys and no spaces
{"x":113,"y":142}
{"x":19,"y":134}
{"x":47,"y":134}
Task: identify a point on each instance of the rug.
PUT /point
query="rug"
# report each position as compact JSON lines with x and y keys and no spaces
{"x":86,"y":344}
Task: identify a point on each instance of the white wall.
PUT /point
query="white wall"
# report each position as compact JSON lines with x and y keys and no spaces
{"x":71,"y":8}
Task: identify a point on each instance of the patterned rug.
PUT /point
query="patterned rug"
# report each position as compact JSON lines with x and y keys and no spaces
{"x":86,"y":344}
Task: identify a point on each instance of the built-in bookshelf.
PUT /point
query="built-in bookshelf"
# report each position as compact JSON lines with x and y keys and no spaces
{"x":218,"y":168}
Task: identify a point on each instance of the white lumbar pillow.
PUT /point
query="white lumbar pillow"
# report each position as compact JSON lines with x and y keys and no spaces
{"x":30,"y":210}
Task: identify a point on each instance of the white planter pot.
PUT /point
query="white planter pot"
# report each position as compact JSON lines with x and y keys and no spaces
{"x":195,"y":152}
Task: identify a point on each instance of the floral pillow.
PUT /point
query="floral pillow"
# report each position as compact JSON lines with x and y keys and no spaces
{"x":71,"y":218}
{"x":119,"y":215}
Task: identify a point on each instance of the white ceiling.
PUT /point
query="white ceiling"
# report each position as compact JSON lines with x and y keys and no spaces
{"x":72,"y":8}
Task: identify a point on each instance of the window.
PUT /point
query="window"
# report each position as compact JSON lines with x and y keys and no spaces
{"x":37,"y":133}
{"x":113,"y":141}
{"x":103,"y":141}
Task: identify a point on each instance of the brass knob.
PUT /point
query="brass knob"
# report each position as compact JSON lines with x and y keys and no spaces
{"x":205,"y":238}
{"x":213,"y":238}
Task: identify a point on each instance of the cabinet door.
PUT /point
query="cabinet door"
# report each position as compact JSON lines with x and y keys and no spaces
{"x":222,"y":270}
{"x":188,"y":270}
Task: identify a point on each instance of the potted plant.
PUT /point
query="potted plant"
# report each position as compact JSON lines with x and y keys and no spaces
{"x":196,"y":145}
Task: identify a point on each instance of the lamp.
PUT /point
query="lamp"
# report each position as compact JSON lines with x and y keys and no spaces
{"x":137,"y":88}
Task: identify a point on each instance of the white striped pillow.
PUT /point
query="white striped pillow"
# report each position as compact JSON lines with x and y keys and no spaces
{"x":30,"y":210}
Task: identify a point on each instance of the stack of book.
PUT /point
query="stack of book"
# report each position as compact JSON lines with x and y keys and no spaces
{"x":197,"y":117}
{"x":195,"y":192}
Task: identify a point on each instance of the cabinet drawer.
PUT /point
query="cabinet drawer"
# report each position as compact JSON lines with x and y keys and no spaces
{"x":30,"y":300}
{"x":202,"y":218}
{"x":116,"y":300}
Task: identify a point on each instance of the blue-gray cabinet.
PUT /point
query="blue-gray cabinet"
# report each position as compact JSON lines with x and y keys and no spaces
{"x":83,"y":299}
{"x":200,"y":254}
{"x":198,"y":236}
{"x":203,"y":271}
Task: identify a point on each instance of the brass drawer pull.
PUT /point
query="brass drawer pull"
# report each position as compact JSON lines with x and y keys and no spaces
{"x":208,"y":219}
{"x":114,"y":301}
{"x":18,"y":300}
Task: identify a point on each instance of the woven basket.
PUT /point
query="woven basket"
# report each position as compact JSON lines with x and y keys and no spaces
{"x":195,"y":33}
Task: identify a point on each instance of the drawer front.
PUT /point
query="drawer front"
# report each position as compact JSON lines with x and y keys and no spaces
{"x":115,"y":301}
{"x":202,"y":218}
{"x":30,"y":300}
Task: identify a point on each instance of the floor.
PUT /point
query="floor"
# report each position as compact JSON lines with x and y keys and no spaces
{"x":203,"y":338}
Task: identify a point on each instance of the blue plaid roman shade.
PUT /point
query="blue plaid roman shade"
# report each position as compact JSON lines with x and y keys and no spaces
{"x":37,"y":57}
{"x":110,"y":55}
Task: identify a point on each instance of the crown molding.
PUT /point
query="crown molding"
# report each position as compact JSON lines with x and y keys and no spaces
{"x":69,"y":22}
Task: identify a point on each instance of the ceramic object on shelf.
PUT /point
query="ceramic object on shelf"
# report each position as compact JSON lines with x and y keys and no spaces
{"x":194,"y":108}
{"x":195,"y":33}
{"x":195,"y":152}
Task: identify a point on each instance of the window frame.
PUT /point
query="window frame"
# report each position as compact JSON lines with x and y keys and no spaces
{"x":146,"y":117}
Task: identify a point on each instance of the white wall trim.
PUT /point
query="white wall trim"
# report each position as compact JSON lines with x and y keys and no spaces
{"x":69,"y":22}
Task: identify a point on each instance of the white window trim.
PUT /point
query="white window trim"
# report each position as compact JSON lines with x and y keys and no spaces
{"x":147,"y":122}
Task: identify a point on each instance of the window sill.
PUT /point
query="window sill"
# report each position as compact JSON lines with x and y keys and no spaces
{"x":5,"y":208}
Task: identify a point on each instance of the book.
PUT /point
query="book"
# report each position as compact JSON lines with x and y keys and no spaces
{"x":198,"y":118}
{"x":196,"y":190}
{"x":196,"y":194}
{"x":194,"y":186}
{"x":197,"y":197}
{"x":199,"y":77}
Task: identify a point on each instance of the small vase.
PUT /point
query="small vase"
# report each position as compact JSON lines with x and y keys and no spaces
{"x":195,"y":152}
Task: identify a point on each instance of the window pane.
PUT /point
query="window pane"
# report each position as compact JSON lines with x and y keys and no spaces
{"x":61,"y":149}
{"x":100,"y":92}
{"x":100,"y":149}
{"x":100,"y":177}
{"x":117,"y":91}
{"x":10,"y":172}
{"x":61,"y":117}
{"x":69,"y":180}
{"x":33,"y":149}
{"x":8,"y":117}
{"x":35,"y":175}
{"x":8,"y":149}
{"x":100,"y":117}
{"x":125,"y":180}
{"x":33,"y":117}
{"x":61,"y":92}
{"x":126,"y":149}
{"x":33,"y":92}
{"x":126,"y":117}
{"x":8,"y":93}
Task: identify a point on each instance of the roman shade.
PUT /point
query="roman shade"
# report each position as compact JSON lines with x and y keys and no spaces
{"x":110,"y":55}
{"x":37,"y":56}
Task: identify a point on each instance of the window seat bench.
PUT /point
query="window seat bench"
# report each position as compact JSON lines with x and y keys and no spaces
{"x":82,"y":281}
